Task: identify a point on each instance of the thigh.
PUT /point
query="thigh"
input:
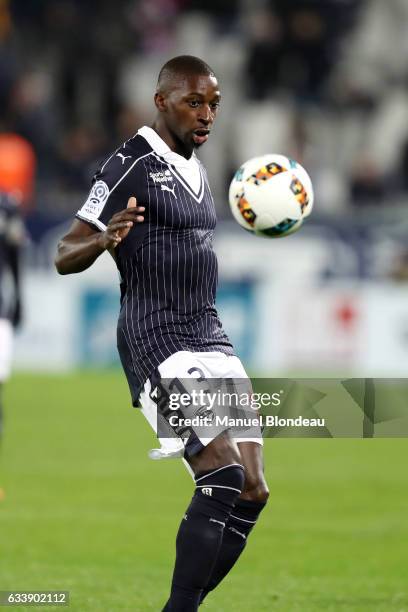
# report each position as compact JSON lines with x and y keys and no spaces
{"x":222,"y":450}
{"x":170,"y":445}
{"x":205,"y":448}
{"x":160,"y":400}
{"x":251,"y":454}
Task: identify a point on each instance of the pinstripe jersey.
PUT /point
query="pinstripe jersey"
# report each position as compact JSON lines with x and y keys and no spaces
{"x":167,"y":265}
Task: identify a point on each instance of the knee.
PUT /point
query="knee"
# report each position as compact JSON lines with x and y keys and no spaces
{"x":221,"y":451}
{"x":259,"y":494}
{"x":255,"y":489}
{"x":217,"y":491}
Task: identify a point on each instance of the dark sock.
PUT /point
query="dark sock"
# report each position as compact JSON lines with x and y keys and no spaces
{"x":200,"y":535}
{"x":240,"y":523}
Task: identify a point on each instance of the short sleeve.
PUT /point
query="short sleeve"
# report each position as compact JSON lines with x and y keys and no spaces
{"x":112,"y":185}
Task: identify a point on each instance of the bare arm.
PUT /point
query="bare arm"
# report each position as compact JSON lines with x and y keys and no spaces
{"x":78,"y":250}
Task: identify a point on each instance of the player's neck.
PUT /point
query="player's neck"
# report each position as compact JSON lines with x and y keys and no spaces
{"x":171,"y":140}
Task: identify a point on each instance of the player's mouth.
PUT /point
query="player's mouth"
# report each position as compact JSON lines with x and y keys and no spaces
{"x":200,"y":136}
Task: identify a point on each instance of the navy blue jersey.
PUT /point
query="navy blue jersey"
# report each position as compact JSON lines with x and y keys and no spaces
{"x":11,"y":239}
{"x":167,"y":264}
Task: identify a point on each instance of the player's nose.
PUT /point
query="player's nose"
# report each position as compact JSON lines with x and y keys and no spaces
{"x":204,"y":115}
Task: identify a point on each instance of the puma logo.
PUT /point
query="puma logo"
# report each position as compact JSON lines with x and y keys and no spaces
{"x":166,"y":188}
{"x":124,"y":157}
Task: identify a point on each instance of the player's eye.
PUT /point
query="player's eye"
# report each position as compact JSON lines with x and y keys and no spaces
{"x":194,"y":103}
{"x":214,"y":105}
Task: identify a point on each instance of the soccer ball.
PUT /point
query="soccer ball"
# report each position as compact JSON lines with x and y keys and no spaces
{"x":271,"y":195}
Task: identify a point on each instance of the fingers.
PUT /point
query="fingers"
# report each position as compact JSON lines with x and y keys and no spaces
{"x":137,"y":217}
{"x":129,"y":214}
{"x":113,"y":227}
{"x":116,"y":231}
{"x":121,"y":222}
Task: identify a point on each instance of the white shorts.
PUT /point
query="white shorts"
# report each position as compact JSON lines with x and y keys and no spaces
{"x":6,"y":348}
{"x":183,"y":366}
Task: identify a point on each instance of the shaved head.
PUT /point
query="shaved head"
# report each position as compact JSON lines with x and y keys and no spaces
{"x":178,"y":69}
{"x":187,"y":100}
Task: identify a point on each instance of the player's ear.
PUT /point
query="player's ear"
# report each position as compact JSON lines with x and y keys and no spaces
{"x":160,"y":102}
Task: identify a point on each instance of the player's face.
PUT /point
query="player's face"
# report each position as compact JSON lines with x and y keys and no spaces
{"x":190,"y":109}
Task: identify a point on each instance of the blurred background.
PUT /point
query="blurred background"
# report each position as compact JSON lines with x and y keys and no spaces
{"x":324,"y":81}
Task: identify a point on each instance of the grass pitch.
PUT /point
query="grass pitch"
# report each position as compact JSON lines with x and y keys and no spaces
{"x":85,"y":510}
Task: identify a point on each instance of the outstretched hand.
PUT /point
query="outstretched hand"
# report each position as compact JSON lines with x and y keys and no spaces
{"x":121,"y":223}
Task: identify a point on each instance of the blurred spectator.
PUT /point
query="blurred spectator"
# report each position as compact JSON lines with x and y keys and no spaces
{"x":81,"y":147}
{"x":8,"y":57}
{"x":293,"y":47}
{"x":32,"y":115}
{"x":153,"y":24}
{"x":17,"y":169}
{"x":266,"y":50}
{"x":367,"y":184}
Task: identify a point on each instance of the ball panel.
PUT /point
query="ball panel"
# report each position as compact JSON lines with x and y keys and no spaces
{"x":300,"y":193}
{"x":306,"y":182}
{"x":266,"y":172}
{"x":286,"y":227}
{"x":245,"y":209}
{"x":240,"y":208}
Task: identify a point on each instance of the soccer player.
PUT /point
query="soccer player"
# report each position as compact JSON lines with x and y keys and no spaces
{"x":151,"y":207}
{"x":17,"y":171}
{"x":11,"y":240}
